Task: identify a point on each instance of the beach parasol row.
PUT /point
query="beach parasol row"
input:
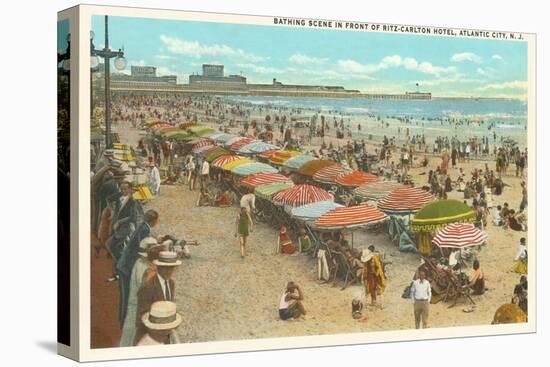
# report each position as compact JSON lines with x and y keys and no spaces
{"x":301,"y":195}
{"x":262,"y":178}
{"x":405,"y":200}
{"x":351,"y":217}
{"x":460,"y":235}
{"x":438,"y":214}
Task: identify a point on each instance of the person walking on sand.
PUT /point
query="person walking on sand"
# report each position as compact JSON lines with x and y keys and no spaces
{"x":290,"y":304}
{"x":244,"y":226}
{"x":421,"y":295}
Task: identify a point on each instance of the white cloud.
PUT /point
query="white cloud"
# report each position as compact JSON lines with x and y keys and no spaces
{"x":261,"y":69}
{"x":395,"y":61}
{"x":515,"y":84}
{"x":466,"y":56}
{"x":304,"y":59}
{"x":197,"y":50}
{"x":165,"y":57}
{"x":496,"y":57}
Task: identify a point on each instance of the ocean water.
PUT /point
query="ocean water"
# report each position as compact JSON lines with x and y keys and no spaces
{"x":470,"y":117}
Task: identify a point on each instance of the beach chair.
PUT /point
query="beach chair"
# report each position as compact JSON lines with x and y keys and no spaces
{"x":344,"y":269}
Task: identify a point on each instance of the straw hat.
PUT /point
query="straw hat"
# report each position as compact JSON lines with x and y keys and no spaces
{"x":366,"y":255}
{"x":167,"y":258}
{"x":162,"y":316}
{"x":145,"y":245}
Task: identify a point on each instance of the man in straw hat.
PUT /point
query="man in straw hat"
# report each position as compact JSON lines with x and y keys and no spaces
{"x":157,"y":288}
{"x":136,"y":280}
{"x":160,"y":321}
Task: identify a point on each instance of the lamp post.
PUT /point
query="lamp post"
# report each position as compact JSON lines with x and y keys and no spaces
{"x":120,"y":63}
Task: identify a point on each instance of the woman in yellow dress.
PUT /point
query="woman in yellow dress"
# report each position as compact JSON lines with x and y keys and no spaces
{"x":521,"y":258}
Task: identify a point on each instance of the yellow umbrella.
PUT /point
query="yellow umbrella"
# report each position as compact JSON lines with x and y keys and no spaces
{"x":231,"y":165}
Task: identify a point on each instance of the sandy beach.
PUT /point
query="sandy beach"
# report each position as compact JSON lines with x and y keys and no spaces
{"x":224,"y":297}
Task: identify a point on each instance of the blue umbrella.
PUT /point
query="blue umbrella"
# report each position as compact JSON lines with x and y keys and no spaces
{"x":252,"y":168}
{"x":299,"y":161}
{"x":313,"y":211}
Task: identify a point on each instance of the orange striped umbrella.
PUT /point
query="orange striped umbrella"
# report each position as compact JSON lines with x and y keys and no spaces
{"x":241,"y":143}
{"x":405,"y":200}
{"x":309,"y":168}
{"x":377,"y":190}
{"x":262,"y":178}
{"x":301,"y":195}
{"x":351,"y":217}
{"x":331,"y":173}
{"x":201,"y":145}
{"x":356,"y":178}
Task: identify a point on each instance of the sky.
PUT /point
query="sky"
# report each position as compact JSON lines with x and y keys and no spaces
{"x":367,"y":61}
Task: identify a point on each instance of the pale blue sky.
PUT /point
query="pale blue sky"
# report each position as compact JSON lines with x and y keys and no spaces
{"x":370,"y":62}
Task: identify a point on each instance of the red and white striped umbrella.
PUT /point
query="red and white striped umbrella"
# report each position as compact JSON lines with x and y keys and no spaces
{"x":350,"y":217}
{"x":224,"y":159}
{"x":331,"y":173}
{"x":405,"y":200}
{"x":262,"y":178}
{"x":240,"y":143}
{"x":377,"y":190}
{"x":201,"y":144}
{"x":460,"y":235}
{"x":301,"y":195}
{"x":356,"y":178}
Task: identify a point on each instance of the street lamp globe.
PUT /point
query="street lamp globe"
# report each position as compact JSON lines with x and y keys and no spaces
{"x":94,"y":61}
{"x":120,"y":63}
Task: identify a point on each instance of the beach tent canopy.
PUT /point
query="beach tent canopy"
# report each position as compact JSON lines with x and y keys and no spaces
{"x":311,"y":167}
{"x":377,"y":190}
{"x":313,"y":211}
{"x":331,"y":173}
{"x":356,"y":178}
{"x":256,"y":147}
{"x":281,"y":156}
{"x":438,"y":214}
{"x":460,"y":235}
{"x":351,"y":217}
{"x":301,"y":195}
{"x":252,"y":168}
{"x":237,"y":162}
{"x":198,"y":147}
{"x":267,"y":191}
{"x":238,"y":143}
{"x":224,"y":159}
{"x":405,"y":200}
{"x":262,"y":179}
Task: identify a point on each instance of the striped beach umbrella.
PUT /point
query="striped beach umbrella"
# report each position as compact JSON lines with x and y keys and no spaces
{"x":281,"y":156}
{"x":267,"y":191}
{"x":268,"y":153}
{"x":299,"y":161}
{"x":356,"y":178}
{"x":262,"y":179}
{"x":252,"y":168}
{"x":223,"y":138}
{"x":460,"y":235}
{"x":224,"y":159}
{"x":237,"y":162}
{"x":331,"y":173}
{"x":214,"y":153}
{"x":311,"y":167}
{"x":351,"y":217}
{"x":405,"y":200}
{"x":240,"y":143}
{"x":377,"y":190}
{"x":301,"y":195}
{"x":201,"y":144}
{"x":313,"y":211}
{"x":161,"y":125}
{"x":187,"y":125}
{"x":256,"y":147}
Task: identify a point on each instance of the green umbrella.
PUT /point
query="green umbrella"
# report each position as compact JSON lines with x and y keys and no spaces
{"x":438,"y":214}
